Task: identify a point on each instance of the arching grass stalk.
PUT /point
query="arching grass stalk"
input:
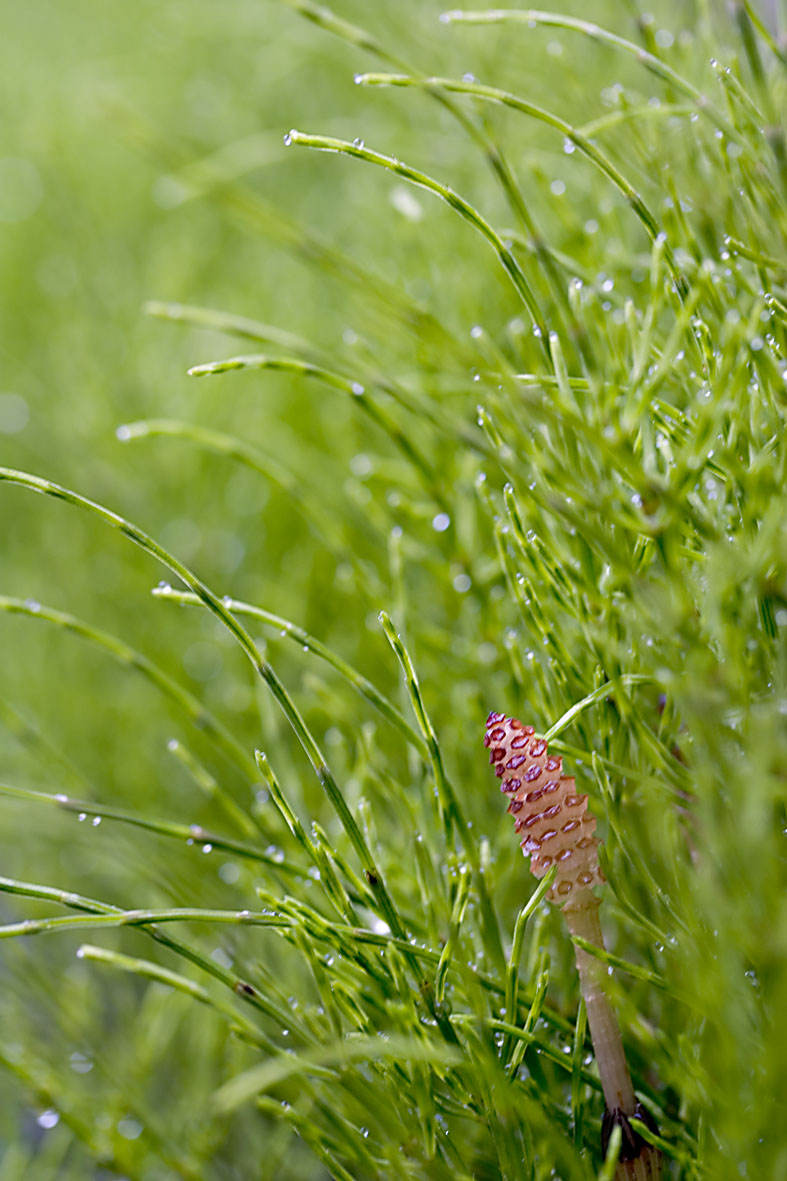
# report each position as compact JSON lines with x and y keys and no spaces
{"x":331,"y":378}
{"x":572,"y":134}
{"x":365,"y":369}
{"x":205,"y":963}
{"x":290,"y":631}
{"x":474,"y":127}
{"x":254,"y":215}
{"x":304,"y":499}
{"x":326,"y":143}
{"x":533,"y":16}
{"x":197,"y":713}
{"x":193,"y":834}
{"x":558,"y":834}
{"x":263,"y":668}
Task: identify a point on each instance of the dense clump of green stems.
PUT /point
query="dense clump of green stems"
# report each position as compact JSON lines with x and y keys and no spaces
{"x":517,"y":437}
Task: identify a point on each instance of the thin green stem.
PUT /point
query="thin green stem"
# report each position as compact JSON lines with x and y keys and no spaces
{"x":291,"y":631}
{"x":571,"y":133}
{"x":451,"y":811}
{"x":197,"y":713}
{"x":532,"y":16}
{"x":93,"y":906}
{"x":262,"y":667}
{"x":136,"y":918}
{"x":180,"y":983}
{"x":190,"y":834}
{"x":338,"y":381}
{"x":301,"y":495}
{"x":325,"y":143}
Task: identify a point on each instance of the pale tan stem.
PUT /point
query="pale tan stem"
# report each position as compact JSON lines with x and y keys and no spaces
{"x":605,"y":1033}
{"x":604,"y":1028}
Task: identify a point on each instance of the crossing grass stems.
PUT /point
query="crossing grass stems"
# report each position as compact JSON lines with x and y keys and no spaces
{"x":589,"y":519}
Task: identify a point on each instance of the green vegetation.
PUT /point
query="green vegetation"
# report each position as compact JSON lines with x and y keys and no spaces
{"x":507,"y":432}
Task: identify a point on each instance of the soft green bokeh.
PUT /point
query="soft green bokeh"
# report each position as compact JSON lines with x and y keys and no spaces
{"x":644,"y":533}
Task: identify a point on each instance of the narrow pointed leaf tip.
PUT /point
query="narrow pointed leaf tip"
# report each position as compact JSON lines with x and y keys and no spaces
{"x":552,"y":820}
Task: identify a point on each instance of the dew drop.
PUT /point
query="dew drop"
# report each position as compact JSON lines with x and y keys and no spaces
{"x":220,"y":957}
{"x":129,"y":1129}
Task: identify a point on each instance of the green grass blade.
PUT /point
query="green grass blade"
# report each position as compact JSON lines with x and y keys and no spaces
{"x":324,"y":143}
{"x":307,"y":642}
{"x":530,"y":17}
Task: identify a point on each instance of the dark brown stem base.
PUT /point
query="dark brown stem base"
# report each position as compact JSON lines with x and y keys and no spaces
{"x":631,"y":1143}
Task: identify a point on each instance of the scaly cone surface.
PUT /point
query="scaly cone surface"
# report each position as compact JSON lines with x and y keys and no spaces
{"x":553,"y":821}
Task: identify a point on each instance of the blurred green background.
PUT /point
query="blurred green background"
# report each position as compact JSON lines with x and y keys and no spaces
{"x":100,"y":99}
{"x":129,"y":125}
{"x":142,"y":158}
{"x":125,"y":127}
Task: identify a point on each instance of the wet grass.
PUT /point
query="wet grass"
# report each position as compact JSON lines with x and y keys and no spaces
{"x":514,"y":440}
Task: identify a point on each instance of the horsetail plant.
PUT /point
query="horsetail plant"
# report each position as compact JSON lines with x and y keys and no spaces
{"x":558,"y":832}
